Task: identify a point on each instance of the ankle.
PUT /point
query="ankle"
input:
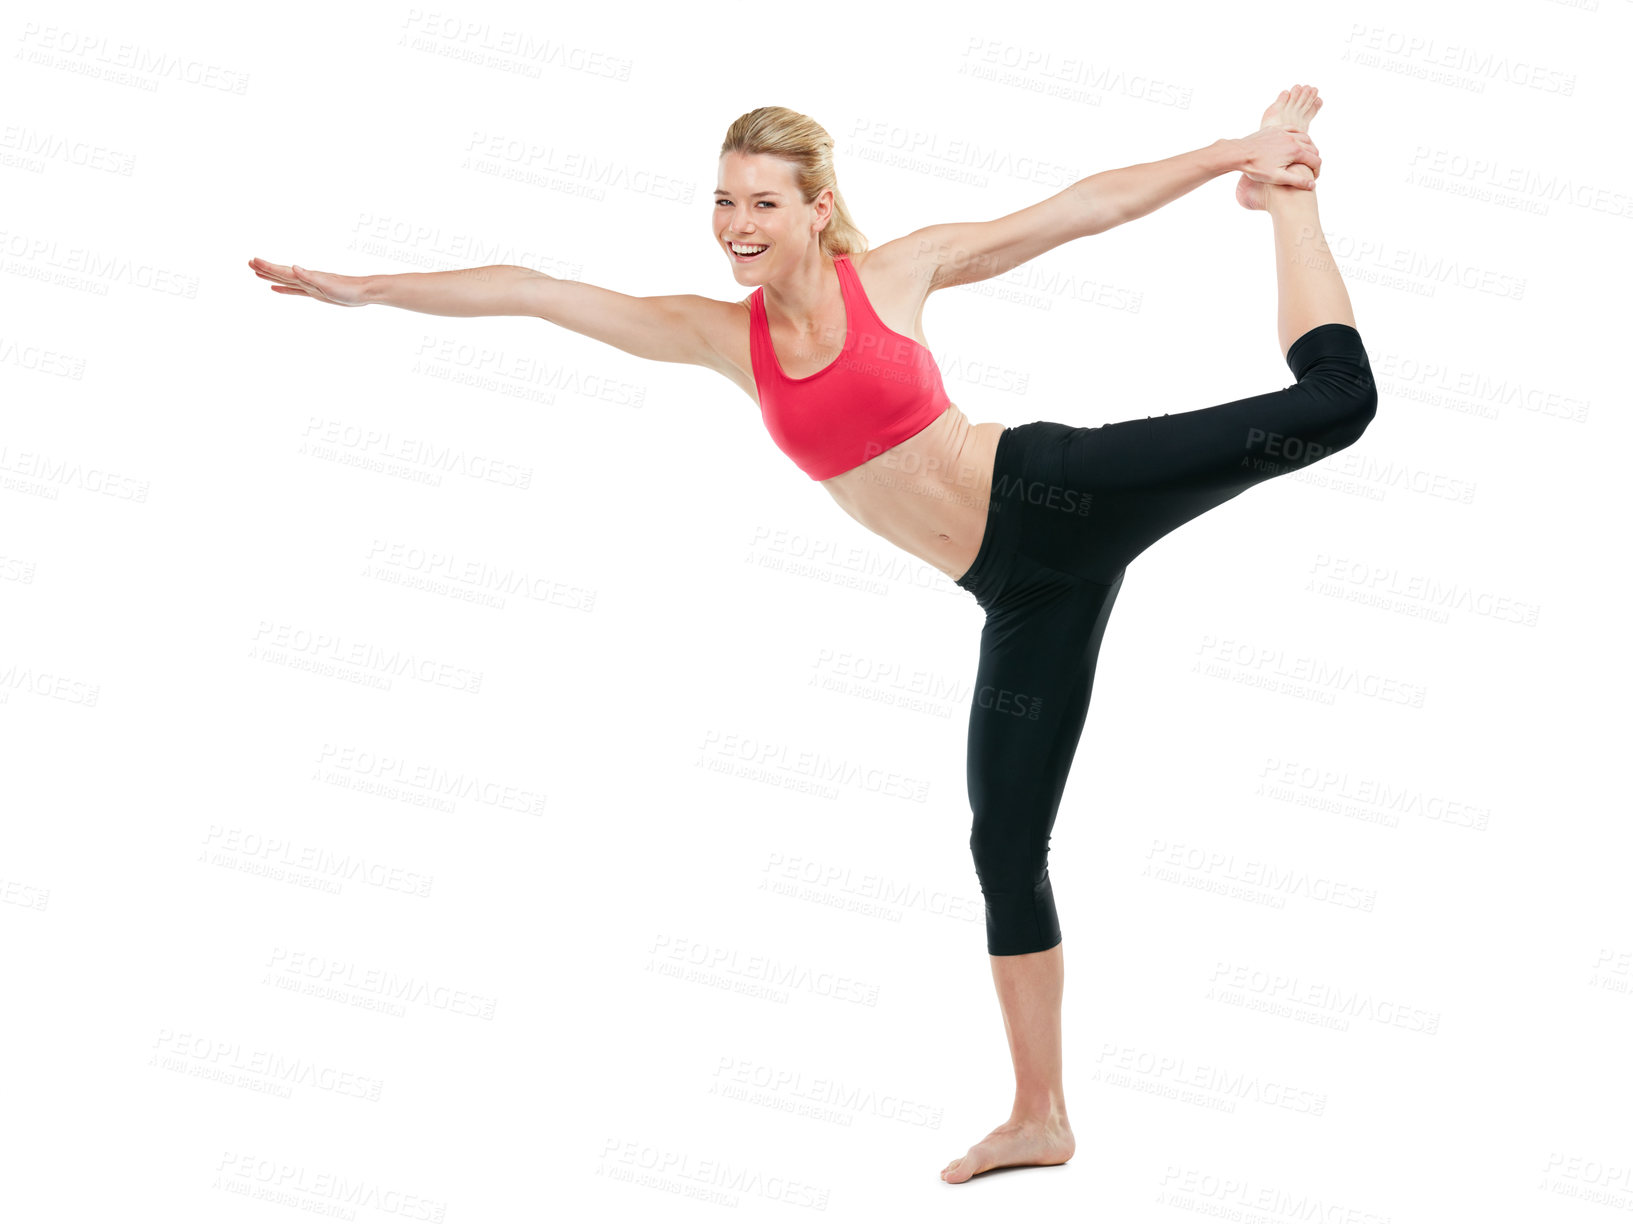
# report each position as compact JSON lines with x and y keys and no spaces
{"x":1280,"y":198}
{"x":1042,"y":1109}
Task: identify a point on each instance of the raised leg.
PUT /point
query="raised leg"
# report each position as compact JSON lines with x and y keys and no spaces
{"x":1309,"y":289}
{"x":1142,"y":478}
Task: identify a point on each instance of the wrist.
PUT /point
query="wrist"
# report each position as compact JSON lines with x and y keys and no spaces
{"x":374,"y":289}
{"x":1226,"y":154}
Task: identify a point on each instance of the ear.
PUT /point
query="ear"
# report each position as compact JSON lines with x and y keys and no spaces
{"x":824,"y":209}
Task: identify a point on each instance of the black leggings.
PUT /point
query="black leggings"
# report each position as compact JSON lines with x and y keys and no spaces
{"x":1070,"y":508}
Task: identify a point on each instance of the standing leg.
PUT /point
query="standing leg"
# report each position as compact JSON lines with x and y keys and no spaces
{"x":1032,"y":688}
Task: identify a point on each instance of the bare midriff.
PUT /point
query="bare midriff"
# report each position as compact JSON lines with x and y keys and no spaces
{"x":927,"y":495}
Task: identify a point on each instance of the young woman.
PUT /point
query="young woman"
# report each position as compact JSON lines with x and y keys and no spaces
{"x":1036,"y":521}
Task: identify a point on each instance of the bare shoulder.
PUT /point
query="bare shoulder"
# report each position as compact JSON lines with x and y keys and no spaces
{"x":897,"y":277}
{"x":899,"y":268}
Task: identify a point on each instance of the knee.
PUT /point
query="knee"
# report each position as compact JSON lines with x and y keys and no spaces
{"x":1019,"y":900}
{"x":1350,"y":399}
{"x":1003,"y":853}
{"x":1333,"y":372}
{"x":1341,"y":400}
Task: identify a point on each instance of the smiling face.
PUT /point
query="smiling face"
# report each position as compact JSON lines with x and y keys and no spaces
{"x":757,"y":205}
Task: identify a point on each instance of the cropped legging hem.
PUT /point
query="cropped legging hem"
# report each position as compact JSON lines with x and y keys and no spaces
{"x":1070,"y":508}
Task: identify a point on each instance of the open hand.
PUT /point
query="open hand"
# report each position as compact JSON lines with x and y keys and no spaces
{"x":1268,"y":152}
{"x":324,"y":286}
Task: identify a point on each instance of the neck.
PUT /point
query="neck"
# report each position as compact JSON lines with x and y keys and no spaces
{"x":800,"y":296}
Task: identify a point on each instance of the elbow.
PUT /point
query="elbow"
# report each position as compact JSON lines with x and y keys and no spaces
{"x":1100,"y":215}
{"x":1094,"y":209}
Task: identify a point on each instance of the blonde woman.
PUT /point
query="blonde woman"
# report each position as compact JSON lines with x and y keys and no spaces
{"x":1036,"y":521}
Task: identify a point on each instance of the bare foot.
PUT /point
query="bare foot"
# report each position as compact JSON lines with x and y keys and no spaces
{"x":1015,"y":1143}
{"x":1293,"y":108}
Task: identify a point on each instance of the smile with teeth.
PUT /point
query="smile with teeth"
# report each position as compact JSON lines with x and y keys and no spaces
{"x":748,"y":250}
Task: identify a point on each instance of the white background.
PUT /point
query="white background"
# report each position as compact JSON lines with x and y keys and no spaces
{"x":675,"y":913}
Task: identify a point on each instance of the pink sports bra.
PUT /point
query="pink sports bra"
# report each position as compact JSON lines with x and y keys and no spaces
{"x":881,"y":390}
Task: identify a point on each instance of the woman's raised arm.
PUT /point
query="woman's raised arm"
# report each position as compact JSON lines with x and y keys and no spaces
{"x":1121,"y":195}
{"x":960,"y":253}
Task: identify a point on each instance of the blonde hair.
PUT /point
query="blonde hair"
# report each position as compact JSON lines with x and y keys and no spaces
{"x":805,"y":144}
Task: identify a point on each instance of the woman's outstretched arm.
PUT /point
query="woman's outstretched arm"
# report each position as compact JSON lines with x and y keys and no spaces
{"x":498,"y":289}
{"x":669,"y":328}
